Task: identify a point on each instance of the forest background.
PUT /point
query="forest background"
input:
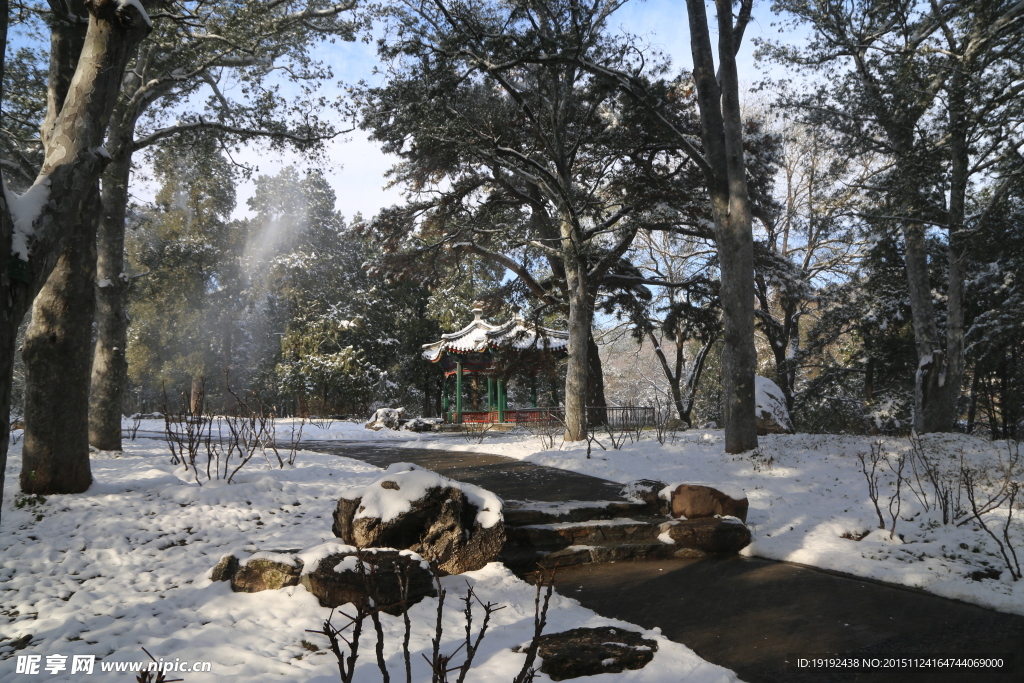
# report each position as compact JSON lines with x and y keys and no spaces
{"x":859,"y":163}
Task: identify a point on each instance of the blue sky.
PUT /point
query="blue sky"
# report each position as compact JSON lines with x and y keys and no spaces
{"x":356,"y":167}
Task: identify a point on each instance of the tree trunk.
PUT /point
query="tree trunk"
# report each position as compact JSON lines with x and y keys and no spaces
{"x":58,"y":362}
{"x":595,"y":383}
{"x":693,"y":379}
{"x":197,"y":395}
{"x":972,"y":409}
{"x":110,"y":368}
{"x":581,"y":314}
{"x":674,"y":378}
{"x":722,"y":135}
{"x":939,"y":371}
{"x":78,"y":108}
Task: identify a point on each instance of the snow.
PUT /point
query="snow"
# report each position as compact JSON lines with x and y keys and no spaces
{"x":805,"y":492}
{"x":121,"y":4}
{"x":311,"y":558}
{"x":125,"y":565}
{"x":406,"y":483}
{"x":280,"y":558}
{"x":25,"y":209}
{"x":769,"y":399}
{"x":731,"y":490}
{"x":882,"y":536}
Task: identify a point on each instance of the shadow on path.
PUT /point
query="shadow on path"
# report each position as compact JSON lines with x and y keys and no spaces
{"x":509,"y":478}
{"x":750,"y":615}
{"x":746,"y":614}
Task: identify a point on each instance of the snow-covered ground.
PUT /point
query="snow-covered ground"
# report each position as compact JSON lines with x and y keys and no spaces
{"x":806,"y":492}
{"x":124,"y":566}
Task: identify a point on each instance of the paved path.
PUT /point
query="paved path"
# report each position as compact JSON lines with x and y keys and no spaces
{"x":509,"y":478}
{"x":746,"y":614}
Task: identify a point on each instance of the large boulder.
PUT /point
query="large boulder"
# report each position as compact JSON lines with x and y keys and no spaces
{"x":706,"y":536}
{"x":694,"y":501}
{"x":457,"y":527}
{"x":771,"y":414}
{"x":593,"y":651}
{"x":338,"y":574}
{"x":386,"y":417}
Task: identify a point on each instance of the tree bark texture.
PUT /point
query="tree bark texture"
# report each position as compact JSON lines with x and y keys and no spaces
{"x":595,"y":381}
{"x":722,"y":136}
{"x":109,"y":366}
{"x":58,"y":361}
{"x":79,"y":108}
{"x":940,"y":370}
{"x":940,"y":367}
{"x":581,"y":314}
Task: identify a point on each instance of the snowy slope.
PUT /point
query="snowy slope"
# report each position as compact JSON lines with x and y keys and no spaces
{"x":124,"y":566}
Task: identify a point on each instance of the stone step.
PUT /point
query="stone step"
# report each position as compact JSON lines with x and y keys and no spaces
{"x":549,"y":546}
{"x":524,"y":560}
{"x":563,"y":534}
{"x":519,"y":513}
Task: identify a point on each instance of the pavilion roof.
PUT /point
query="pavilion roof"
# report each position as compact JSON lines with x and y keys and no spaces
{"x":517,"y":334}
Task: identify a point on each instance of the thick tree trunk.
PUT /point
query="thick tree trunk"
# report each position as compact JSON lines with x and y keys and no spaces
{"x":58,"y":361}
{"x":110,"y":368}
{"x":930,"y":359}
{"x":581,"y":314}
{"x":739,"y":355}
{"x":595,"y":383}
{"x":78,"y":110}
{"x":722,"y":135}
{"x":939,"y":370}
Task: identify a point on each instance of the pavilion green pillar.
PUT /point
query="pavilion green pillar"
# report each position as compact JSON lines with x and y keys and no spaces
{"x":554,"y":393}
{"x":533,"y":392}
{"x":501,"y":400}
{"x":491,"y":403}
{"x":458,"y":393}
{"x":444,"y":400}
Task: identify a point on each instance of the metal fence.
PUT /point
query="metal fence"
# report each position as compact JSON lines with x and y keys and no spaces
{"x":615,"y":417}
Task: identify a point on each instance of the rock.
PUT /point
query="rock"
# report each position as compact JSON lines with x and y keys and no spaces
{"x":336,"y":578}
{"x":693,"y":501}
{"x":266,"y":571}
{"x":710,"y":425}
{"x":648,"y":491}
{"x":458,"y":527}
{"x":707,"y":536}
{"x":386,"y":417}
{"x":225,"y":569}
{"x":421,"y":424}
{"x":771,"y":414}
{"x":593,"y":651}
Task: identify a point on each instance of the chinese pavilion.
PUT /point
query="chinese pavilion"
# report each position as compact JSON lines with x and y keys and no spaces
{"x":495,"y":351}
